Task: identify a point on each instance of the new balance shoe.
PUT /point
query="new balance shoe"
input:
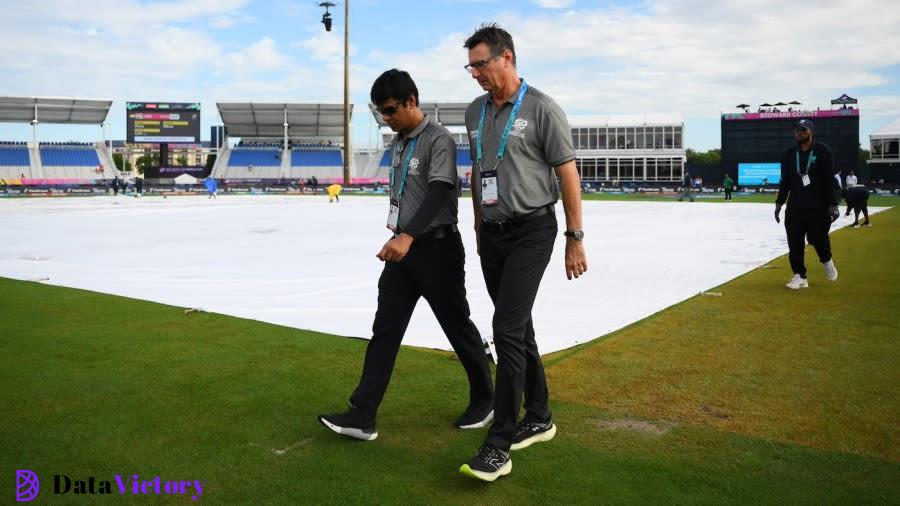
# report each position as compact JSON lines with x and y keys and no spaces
{"x":488,"y":464}
{"x":797,"y":282}
{"x":475,"y":418}
{"x":830,"y":270}
{"x":351,"y":424}
{"x":527,"y":433}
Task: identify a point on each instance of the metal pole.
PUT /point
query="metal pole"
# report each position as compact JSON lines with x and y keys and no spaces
{"x":346,"y":92}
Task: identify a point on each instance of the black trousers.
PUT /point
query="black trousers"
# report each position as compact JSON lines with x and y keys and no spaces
{"x":433,"y":269}
{"x":728,"y":194}
{"x":807,"y":224}
{"x":513,"y":262}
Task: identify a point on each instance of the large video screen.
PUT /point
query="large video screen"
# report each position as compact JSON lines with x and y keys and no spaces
{"x":755,"y":173}
{"x":163,"y":122}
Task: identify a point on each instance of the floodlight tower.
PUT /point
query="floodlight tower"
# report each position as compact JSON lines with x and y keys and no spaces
{"x":326,"y":20}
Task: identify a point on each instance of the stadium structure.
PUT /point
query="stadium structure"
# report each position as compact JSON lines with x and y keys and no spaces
{"x":884,"y":161}
{"x":646,"y":149}
{"x":57,"y":164}
{"x":755,"y":141}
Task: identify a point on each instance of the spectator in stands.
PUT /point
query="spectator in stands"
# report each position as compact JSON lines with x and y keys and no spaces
{"x":334,"y":192}
{"x":686,"y":184}
{"x":857,"y":199}
{"x":728,"y":183}
{"x":851,"y":180}
{"x":807,"y":177}
{"x":424,"y":258}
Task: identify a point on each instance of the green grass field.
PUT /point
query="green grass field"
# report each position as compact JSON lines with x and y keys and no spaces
{"x":760,"y":396}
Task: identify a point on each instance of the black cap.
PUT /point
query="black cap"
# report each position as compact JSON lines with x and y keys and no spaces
{"x":804,"y":123}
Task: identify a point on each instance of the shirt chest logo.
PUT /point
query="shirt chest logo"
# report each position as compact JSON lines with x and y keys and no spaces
{"x":414,"y":167}
{"x":518,"y":128}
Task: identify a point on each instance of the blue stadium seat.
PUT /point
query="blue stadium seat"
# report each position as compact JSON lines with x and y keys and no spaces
{"x":463,"y":157}
{"x":14,"y":157}
{"x":316,"y":158}
{"x":256,"y":157}
{"x":71,"y":156}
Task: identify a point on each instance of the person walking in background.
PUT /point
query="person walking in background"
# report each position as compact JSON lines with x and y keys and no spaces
{"x":686,"y":184}
{"x":728,"y":183}
{"x":212,"y":187}
{"x":851,"y":180}
{"x":810,"y":190}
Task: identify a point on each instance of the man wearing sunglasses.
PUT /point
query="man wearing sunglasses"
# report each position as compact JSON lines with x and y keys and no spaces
{"x":812,"y":195}
{"x":522,"y":142}
{"x":423,"y":258}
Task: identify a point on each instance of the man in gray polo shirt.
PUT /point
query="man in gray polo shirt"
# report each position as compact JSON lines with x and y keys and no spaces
{"x":522,"y":142}
{"x":424,"y":258}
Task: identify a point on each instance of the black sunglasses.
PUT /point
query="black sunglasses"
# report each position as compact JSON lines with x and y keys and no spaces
{"x":389,"y":110}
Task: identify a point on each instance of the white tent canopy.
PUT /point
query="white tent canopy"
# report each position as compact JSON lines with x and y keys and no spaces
{"x":185,"y":179}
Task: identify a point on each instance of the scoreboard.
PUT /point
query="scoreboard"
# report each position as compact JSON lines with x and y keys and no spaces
{"x":163,"y":122}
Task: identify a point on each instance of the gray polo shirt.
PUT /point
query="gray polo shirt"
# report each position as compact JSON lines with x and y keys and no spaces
{"x":434,"y":159}
{"x":539,"y":140}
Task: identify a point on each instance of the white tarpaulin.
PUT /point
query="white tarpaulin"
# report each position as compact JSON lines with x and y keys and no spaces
{"x":305,"y":263}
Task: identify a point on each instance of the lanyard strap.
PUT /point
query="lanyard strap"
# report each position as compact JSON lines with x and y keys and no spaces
{"x":501,"y":150}
{"x":809,"y":161}
{"x":410,"y":148}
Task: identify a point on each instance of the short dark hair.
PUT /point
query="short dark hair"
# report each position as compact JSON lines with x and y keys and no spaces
{"x":496,"y":38}
{"x":396,"y":84}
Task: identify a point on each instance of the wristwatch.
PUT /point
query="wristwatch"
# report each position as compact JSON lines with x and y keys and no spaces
{"x":577,"y":234}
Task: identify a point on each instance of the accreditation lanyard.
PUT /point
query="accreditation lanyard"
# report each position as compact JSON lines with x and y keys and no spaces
{"x":804,"y":176}
{"x":394,"y":212}
{"x":489,"y":181}
{"x":809,"y":162}
{"x":501,"y":150}
{"x":405,"y":168}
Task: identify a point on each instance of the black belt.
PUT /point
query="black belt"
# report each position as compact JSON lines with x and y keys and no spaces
{"x":438,"y":232}
{"x":503,"y":226}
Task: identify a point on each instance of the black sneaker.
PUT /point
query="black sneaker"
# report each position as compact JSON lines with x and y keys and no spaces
{"x":488,"y":464}
{"x":528,"y":433}
{"x":350,"y":424}
{"x":475,"y":418}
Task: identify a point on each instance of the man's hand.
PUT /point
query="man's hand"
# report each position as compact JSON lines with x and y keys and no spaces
{"x":395,"y":249}
{"x":834,"y":212}
{"x":777,"y":212}
{"x":576,"y":260}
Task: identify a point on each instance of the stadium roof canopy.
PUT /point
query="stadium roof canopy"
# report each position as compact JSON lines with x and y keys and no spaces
{"x":259,"y":120}
{"x":446,"y":113}
{"x":891,"y":130}
{"x":54,"y":110}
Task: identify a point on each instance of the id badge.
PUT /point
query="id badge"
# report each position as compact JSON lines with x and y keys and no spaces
{"x":489,"y":193}
{"x":805,"y":179}
{"x":394,"y":215}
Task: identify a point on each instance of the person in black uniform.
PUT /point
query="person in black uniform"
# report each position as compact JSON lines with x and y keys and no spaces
{"x":423,"y":258}
{"x":808,"y":185}
{"x":522,"y":143}
{"x":857,"y":198}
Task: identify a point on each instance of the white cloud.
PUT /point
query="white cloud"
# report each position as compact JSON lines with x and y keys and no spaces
{"x":262,"y":55}
{"x":554,"y":4}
